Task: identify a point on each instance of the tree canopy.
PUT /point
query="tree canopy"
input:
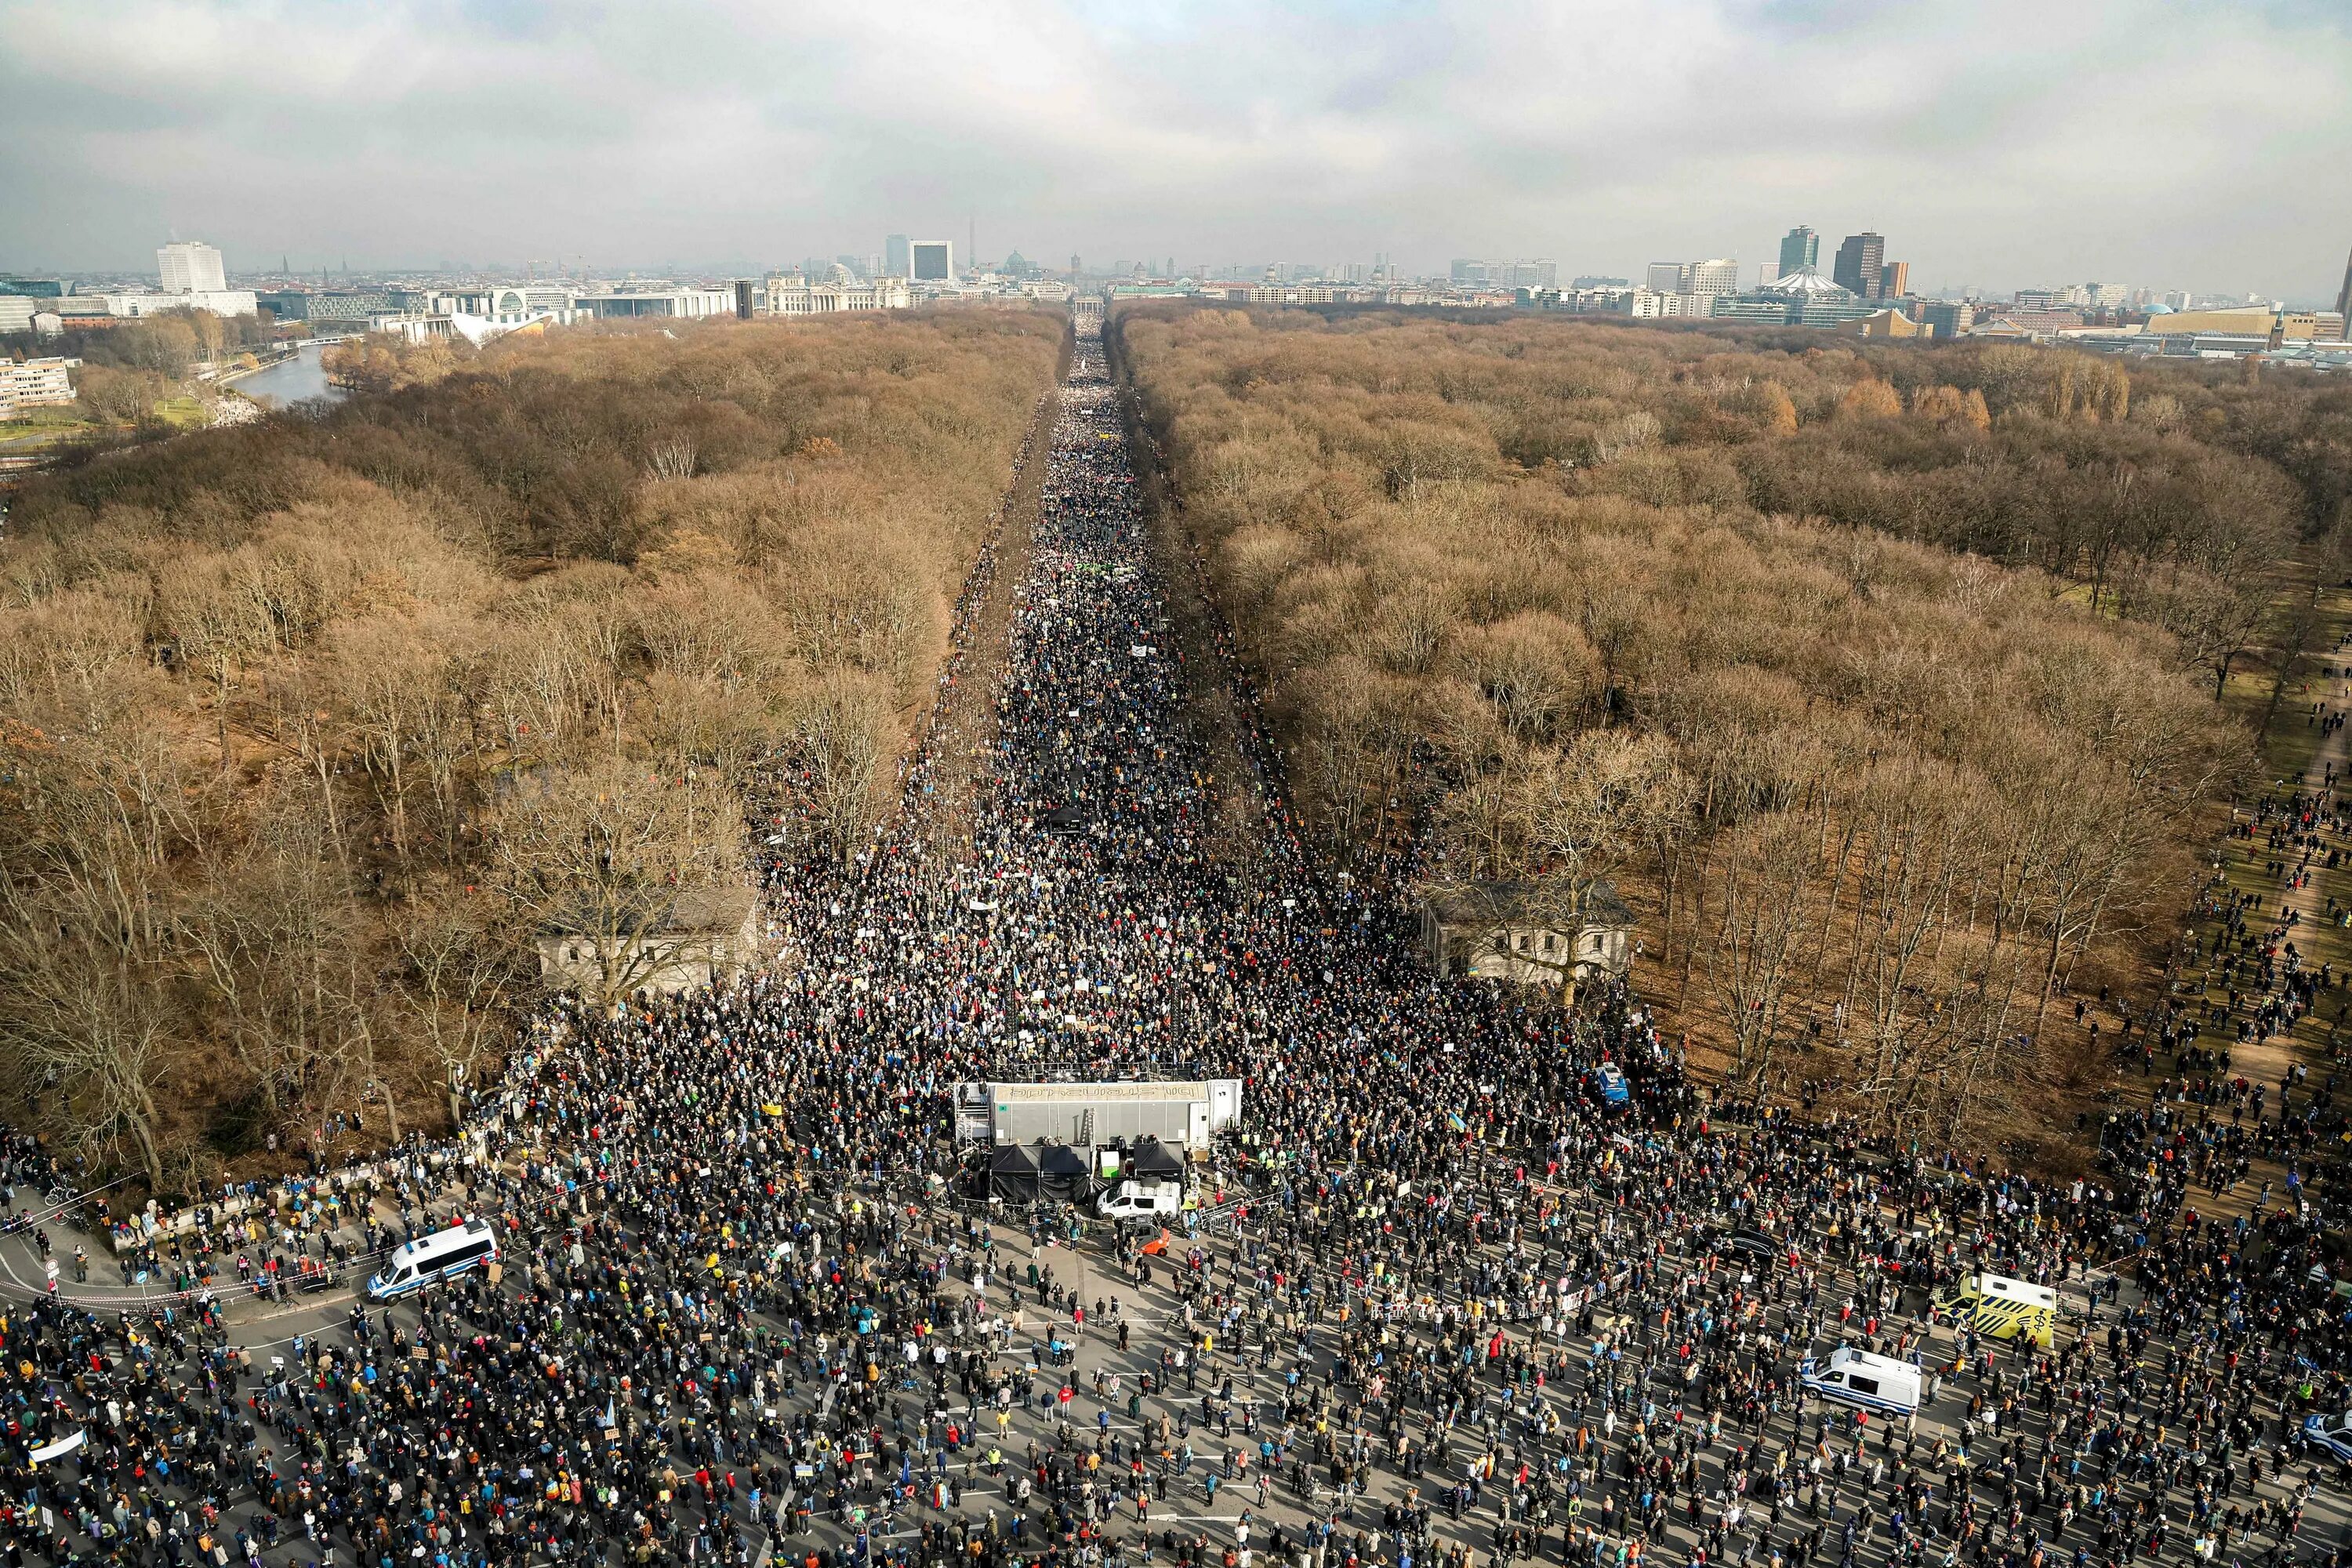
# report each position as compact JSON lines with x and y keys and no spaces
{"x":1815,"y":652}
{"x":303,"y":723}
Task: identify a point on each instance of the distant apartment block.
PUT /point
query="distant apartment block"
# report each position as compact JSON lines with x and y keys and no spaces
{"x":1718,"y":275}
{"x":1648,"y":304}
{"x":33,"y":383}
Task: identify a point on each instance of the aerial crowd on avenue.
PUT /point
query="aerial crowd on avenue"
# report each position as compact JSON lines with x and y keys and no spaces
{"x":1444,"y":1301}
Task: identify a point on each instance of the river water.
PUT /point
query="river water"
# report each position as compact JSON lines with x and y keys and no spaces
{"x":296,"y":380}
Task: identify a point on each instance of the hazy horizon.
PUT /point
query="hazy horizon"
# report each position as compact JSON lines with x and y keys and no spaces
{"x":1996,"y":146}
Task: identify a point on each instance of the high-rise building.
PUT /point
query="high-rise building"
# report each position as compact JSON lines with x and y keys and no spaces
{"x":2344,"y":295}
{"x":1800,"y":247}
{"x":931,"y":261}
{"x":190,"y":267}
{"x":1859,"y":260}
{"x":894,"y":256}
{"x":1719,"y":275}
{"x":1665,"y":278}
{"x":1893,"y":279}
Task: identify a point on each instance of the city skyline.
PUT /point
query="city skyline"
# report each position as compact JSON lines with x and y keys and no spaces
{"x":1704,"y":277}
{"x":2139,"y":141}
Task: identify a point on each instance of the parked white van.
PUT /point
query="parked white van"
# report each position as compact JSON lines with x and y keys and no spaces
{"x":443,"y":1255}
{"x":1143,"y":1200}
{"x":1859,"y":1378}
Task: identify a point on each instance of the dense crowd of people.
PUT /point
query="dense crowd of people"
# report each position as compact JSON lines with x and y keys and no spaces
{"x":1463,"y":1306}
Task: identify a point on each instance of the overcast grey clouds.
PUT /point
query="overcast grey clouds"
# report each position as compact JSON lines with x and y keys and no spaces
{"x":2003,"y":143}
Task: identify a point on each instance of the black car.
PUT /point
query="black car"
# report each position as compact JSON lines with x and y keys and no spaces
{"x":1753,"y":1246}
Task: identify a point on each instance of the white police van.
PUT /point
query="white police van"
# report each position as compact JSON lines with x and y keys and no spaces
{"x":443,"y":1255}
{"x":1859,"y":1378}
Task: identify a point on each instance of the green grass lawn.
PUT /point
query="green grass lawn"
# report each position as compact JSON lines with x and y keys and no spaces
{"x":38,"y":427}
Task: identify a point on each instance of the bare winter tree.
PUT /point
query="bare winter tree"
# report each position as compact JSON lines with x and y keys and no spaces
{"x":87,"y":1018}
{"x":600,"y":854}
{"x":1765,"y":879}
{"x":839,"y":738}
{"x":460,"y":969}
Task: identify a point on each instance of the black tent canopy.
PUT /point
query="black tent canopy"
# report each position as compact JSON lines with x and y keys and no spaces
{"x":1012,"y":1174}
{"x":1151,"y":1161}
{"x":1062,"y":1173}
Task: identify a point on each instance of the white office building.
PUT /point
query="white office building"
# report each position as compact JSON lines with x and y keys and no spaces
{"x":219,"y":302}
{"x":1656,"y":304}
{"x":512,"y":302}
{"x":1718,"y":275}
{"x":684,"y":304}
{"x":190,"y":267}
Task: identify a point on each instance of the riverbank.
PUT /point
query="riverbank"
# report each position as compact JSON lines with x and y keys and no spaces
{"x":298,"y":378}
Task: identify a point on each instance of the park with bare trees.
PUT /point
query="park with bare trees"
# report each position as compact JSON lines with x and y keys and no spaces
{"x":1880,"y":680}
{"x":310,"y":728}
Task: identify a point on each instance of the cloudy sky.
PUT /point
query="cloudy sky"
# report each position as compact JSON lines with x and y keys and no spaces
{"x":2182,"y":143}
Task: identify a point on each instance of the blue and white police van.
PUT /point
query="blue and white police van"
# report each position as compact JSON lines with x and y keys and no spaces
{"x":2331,"y":1435}
{"x":443,"y":1255}
{"x":1864,"y":1381}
